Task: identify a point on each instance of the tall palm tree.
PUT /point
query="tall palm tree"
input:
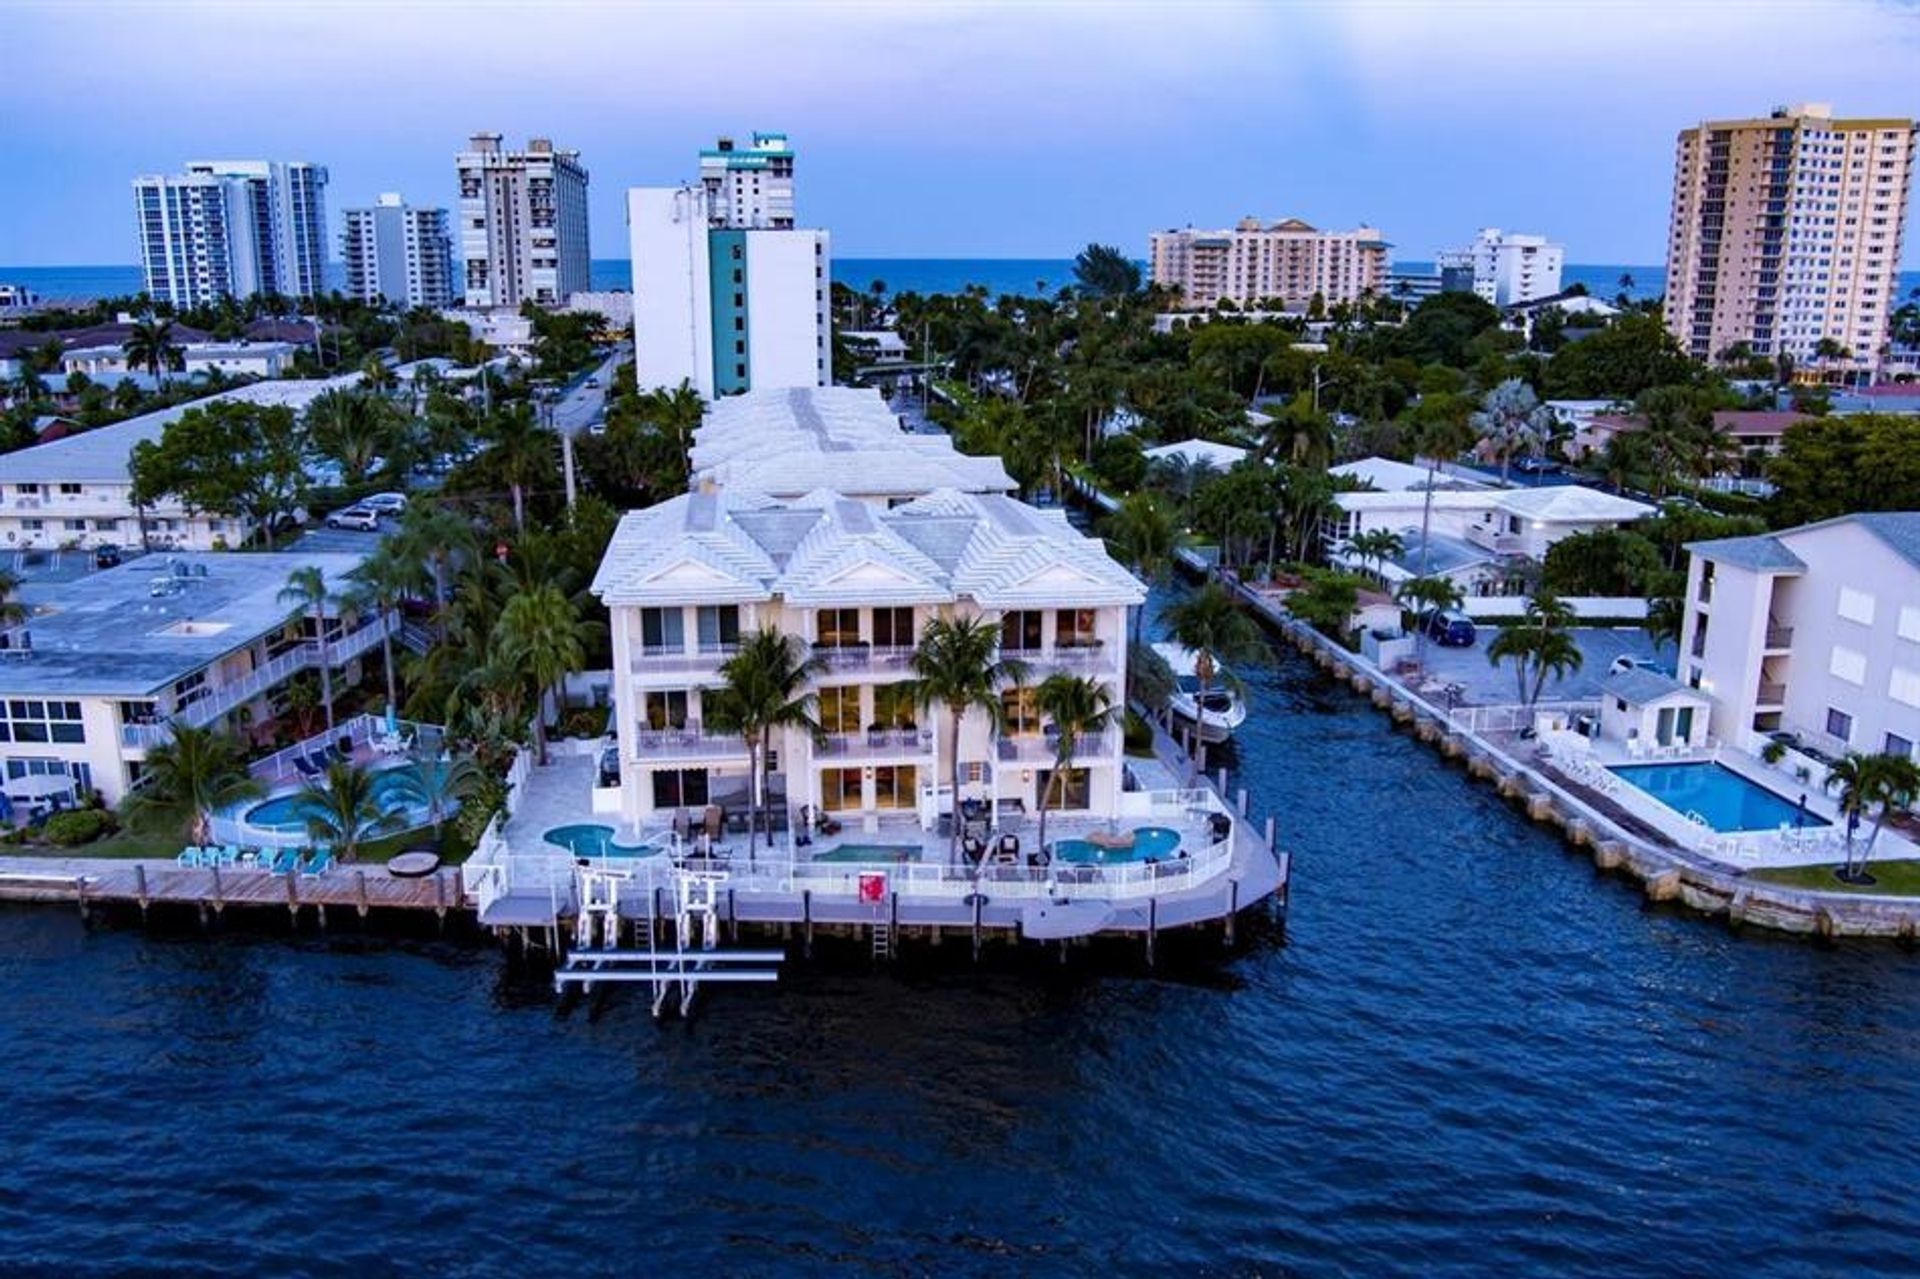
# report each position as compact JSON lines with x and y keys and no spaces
{"x":543,"y":636}
{"x":1445,"y":430}
{"x":764,"y":687}
{"x":1888,"y":783}
{"x":150,"y":346}
{"x":1212,"y":626}
{"x":189,"y":778}
{"x":1079,"y":708}
{"x":1145,"y":533}
{"x":1424,"y":595}
{"x":521,"y":448}
{"x":307,"y":586}
{"x":342,"y":810}
{"x":435,"y":538}
{"x":1538,"y":647}
{"x":380,"y":584}
{"x":957,"y":665}
{"x":439,"y":784}
{"x":353,"y":428}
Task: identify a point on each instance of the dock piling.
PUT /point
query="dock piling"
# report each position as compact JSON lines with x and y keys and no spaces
{"x":360,"y":891}
{"x":140,"y":887}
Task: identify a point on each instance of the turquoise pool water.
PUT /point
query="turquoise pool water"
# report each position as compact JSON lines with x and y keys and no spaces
{"x":282,"y":812}
{"x":1148,"y":841}
{"x":592,"y":840}
{"x":869,"y":853}
{"x":1728,"y":801}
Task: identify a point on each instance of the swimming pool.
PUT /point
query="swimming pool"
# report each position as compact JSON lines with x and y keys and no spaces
{"x":1727,"y":801}
{"x":283,"y":812}
{"x":592,"y":840}
{"x":1148,"y":841}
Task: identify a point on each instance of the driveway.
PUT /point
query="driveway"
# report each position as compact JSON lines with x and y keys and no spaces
{"x":322,"y":540}
{"x":1488,"y":685}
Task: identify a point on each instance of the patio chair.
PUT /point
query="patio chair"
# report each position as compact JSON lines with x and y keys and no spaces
{"x":306,"y":766}
{"x":681,"y":825}
{"x":188,"y":857}
{"x":319,"y":761}
{"x":713,"y":822}
{"x":1007,"y":851}
{"x":318,"y":862}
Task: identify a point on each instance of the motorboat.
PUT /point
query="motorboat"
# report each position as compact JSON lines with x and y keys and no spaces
{"x":1214,"y":714}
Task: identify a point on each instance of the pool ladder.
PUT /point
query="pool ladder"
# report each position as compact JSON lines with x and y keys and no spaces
{"x":882,"y":939}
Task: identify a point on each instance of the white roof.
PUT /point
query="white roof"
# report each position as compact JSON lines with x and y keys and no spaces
{"x":100,"y":456}
{"x":827,"y":550}
{"x":1220,"y":456}
{"x":1399,"y":477}
{"x":1570,"y":503}
{"x":791,"y":441}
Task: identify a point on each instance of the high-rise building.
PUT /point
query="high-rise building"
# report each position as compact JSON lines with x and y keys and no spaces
{"x":1504,"y":268}
{"x":723,"y":308}
{"x":233,"y":228}
{"x":750,"y":187}
{"x":1255,"y":263}
{"x":523,"y":223}
{"x":1785,"y":235}
{"x":398,"y":254}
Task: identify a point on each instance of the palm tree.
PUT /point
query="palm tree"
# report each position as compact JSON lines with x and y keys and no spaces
{"x":764,"y":687}
{"x":1424,"y":595}
{"x":1538,"y":647}
{"x":149,"y":346}
{"x":543,"y":637}
{"x":377,"y":375}
{"x":1376,"y":546}
{"x":1890,"y":783}
{"x":522,"y":448}
{"x":12,"y":611}
{"x":1445,"y":431}
{"x":1212,"y":626}
{"x":1511,"y":417}
{"x":352,"y":428}
{"x":307,"y":587}
{"x":1079,"y":707}
{"x":439,"y":784}
{"x":189,"y":778}
{"x":957,"y":665}
{"x":432,"y":537}
{"x":1145,"y":533}
{"x":342,"y":810}
{"x":380,"y":584}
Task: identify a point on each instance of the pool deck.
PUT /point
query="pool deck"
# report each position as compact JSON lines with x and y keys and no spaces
{"x":790,"y":883}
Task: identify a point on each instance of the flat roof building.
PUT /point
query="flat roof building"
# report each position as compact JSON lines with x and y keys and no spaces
{"x":523,"y":223}
{"x":1254,"y":262}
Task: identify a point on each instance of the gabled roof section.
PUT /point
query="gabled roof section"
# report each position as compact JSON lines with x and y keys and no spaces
{"x":686,"y":550}
{"x":1641,"y":687}
{"x":1764,"y":553}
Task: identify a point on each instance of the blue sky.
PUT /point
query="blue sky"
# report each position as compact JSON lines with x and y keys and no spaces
{"x":947,"y":130}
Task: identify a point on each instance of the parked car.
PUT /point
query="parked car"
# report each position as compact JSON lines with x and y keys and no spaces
{"x":385,"y":503}
{"x":106,"y":557}
{"x":355,"y":517}
{"x":1628,"y":662}
{"x":1449,"y":628}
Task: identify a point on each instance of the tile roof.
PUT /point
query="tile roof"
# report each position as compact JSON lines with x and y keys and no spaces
{"x":825,"y":549}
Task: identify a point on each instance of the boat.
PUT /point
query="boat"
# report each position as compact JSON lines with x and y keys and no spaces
{"x":1223,"y":710}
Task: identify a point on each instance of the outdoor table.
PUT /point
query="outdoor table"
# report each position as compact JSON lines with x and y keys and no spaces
{"x":413,"y":865}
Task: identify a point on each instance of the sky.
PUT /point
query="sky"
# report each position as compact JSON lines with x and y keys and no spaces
{"x":938,"y":129}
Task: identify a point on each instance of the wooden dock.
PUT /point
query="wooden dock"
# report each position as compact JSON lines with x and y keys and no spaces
{"x":145,"y":884}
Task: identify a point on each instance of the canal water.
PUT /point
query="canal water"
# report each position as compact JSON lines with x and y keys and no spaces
{"x":1470,"y":1054}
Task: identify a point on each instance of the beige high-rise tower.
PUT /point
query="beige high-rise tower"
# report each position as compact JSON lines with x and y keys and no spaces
{"x":1786,"y":232}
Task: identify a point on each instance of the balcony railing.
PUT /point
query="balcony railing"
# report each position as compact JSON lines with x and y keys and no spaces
{"x":690,"y":742}
{"x":1771,"y":694}
{"x":677,"y":659}
{"x":878,"y":659}
{"x":225,"y":697}
{"x":1093,"y":655}
{"x":1779,"y":637}
{"x":1042,"y":749}
{"x":1499,"y":543}
{"x":876,"y":743}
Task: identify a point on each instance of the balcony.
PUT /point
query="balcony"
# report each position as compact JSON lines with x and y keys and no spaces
{"x":1041,"y":749}
{"x":688,"y":742}
{"x":863,"y":659}
{"x":1089,"y":656}
{"x":877,"y":743}
{"x":1770,"y":695}
{"x":1497,"y":542}
{"x":1778,"y":638}
{"x":676,"y":659}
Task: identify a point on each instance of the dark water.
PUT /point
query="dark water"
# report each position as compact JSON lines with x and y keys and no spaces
{"x":1471,"y":1055}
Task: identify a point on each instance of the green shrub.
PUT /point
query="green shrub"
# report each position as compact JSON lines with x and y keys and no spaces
{"x":1138,"y":735}
{"x":583,"y":721}
{"x":488,"y":798}
{"x":78,"y":826}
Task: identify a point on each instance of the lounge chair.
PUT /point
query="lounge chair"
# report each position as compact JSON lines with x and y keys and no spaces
{"x":306,"y":766}
{"x":1007,"y":851}
{"x":318,"y":761}
{"x":713,"y":822}
{"x":318,"y":862}
{"x":286,"y":859}
{"x":188,"y":857}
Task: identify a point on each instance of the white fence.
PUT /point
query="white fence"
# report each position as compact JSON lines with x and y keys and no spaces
{"x":1514,"y":718}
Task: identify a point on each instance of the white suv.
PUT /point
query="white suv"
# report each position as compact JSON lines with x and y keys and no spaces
{"x":355,"y":517}
{"x":385,"y":503}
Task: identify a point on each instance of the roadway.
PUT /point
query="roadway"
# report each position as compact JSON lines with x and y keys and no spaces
{"x":585,"y":401}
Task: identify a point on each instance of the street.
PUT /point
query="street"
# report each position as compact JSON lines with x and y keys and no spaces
{"x":584,"y":403}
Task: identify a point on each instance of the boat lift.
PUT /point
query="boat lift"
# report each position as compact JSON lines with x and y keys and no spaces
{"x":696,"y":956}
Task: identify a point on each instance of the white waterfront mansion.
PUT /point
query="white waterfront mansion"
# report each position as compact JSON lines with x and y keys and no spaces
{"x":856,"y":582}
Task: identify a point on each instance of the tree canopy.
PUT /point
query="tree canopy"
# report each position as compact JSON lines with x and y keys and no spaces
{"x":229,"y":458}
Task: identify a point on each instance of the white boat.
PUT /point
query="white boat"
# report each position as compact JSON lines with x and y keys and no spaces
{"x":1223,"y":711}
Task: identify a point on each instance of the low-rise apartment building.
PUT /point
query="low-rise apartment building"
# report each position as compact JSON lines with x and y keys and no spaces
{"x":107,"y":664}
{"x":108,"y":363}
{"x":78,"y":491}
{"x":1813,"y":631}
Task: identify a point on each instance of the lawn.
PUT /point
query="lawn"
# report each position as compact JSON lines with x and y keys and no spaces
{"x":128,"y":844}
{"x":1898,"y":877}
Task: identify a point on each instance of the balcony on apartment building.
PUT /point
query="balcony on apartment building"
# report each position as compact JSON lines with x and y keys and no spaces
{"x":1042,"y":748}
{"x":1778,"y":639}
{"x":685,"y":740}
{"x":877,"y":743}
{"x":1770,"y":696}
{"x":853,"y":657}
{"x":1079,"y":657}
{"x":678,"y":659}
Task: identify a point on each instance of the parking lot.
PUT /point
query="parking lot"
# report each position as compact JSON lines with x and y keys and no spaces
{"x":321,"y":539}
{"x":1484,"y":684}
